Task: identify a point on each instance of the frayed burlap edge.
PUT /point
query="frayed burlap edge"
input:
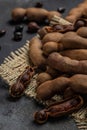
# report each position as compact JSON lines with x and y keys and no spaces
{"x":16,"y":63}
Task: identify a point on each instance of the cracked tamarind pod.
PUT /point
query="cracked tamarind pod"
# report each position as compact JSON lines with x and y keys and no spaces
{"x":17,"y":89}
{"x":58,"y":109}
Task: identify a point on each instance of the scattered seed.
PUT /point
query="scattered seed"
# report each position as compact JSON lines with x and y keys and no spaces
{"x":38,"y":5}
{"x":2,"y":32}
{"x":61,"y":9}
{"x":33,"y":27}
{"x":18,"y":36}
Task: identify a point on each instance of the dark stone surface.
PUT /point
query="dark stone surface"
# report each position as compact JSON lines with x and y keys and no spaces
{"x":18,"y":114}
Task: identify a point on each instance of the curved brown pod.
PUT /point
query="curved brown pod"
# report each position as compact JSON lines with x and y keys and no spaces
{"x":36,"y":52}
{"x":66,"y":64}
{"x":18,"y":88}
{"x":59,"y":109}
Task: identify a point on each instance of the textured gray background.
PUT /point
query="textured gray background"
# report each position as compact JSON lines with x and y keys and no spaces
{"x":18,"y":115}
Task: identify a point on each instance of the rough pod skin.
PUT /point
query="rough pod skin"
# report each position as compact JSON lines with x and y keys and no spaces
{"x":52,"y":37}
{"x":77,"y":84}
{"x":82,"y":32}
{"x":36,"y":14}
{"x":18,"y":14}
{"x":50,"y":47}
{"x":43,"y":31}
{"x":77,"y":54}
{"x":43,"y":77}
{"x":71,"y":40}
{"x":67,"y":65}
{"x":35,"y":52}
{"x":49,"y":88}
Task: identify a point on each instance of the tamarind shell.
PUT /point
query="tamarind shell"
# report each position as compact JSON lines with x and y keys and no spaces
{"x":59,"y":109}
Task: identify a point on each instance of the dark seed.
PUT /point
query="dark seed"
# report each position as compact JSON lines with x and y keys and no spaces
{"x":57,"y":27}
{"x":19,"y":28}
{"x":2,"y":32}
{"x":38,"y":5}
{"x":33,"y":27}
{"x":61,"y":9}
{"x":79,"y":23}
{"x":18,"y":36}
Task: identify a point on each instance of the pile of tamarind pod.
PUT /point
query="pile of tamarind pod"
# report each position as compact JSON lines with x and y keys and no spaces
{"x":63,"y":55}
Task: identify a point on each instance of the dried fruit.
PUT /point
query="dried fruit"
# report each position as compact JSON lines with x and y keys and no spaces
{"x":38,"y":5}
{"x":2,"y":32}
{"x":18,"y":36}
{"x":33,"y":27}
{"x":61,"y":9}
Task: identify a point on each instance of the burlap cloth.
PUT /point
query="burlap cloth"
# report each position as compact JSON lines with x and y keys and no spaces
{"x":15,"y":64}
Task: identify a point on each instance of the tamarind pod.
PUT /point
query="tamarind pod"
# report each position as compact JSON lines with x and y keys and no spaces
{"x":53,"y":72}
{"x":74,"y":15}
{"x":82,"y":32}
{"x":36,"y":14}
{"x":18,"y":14}
{"x":53,"y":37}
{"x":50,"y":47}
{"x":78,"y":83}
{"x":49,"y":88}
{"x":43,"y":31}
{"x":18,"y":88}
{"x":35,"y":52}
{"x":67,"y":65}
{"x":68,"y":93}
{"x":77,"y":54}
{"x":43,"y":77}
{"x":59,"y":109}
{"x":71,"y":40}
